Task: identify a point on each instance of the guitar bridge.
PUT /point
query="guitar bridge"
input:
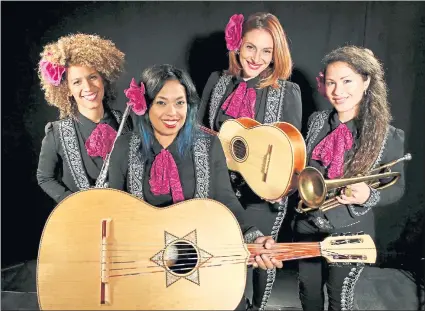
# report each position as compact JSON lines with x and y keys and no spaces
{"x":267,"y":162}
{"x":104,"y":275}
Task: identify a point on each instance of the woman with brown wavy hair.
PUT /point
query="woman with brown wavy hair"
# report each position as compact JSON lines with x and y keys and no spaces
{"x":255,"y":86}
{"x":350,"y":139}
{"x":76,"y":74}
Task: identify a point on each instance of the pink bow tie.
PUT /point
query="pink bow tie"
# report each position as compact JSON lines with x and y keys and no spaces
{"x":330,"y":151}
{"x":100,"y":141}
{"x":165,"y":176}
{"x":241,"y":102}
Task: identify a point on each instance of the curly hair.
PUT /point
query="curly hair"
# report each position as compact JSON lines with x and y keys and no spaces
{"x":281,"y":68}
{"x":83,"y":50}
{"x":374,"y":116}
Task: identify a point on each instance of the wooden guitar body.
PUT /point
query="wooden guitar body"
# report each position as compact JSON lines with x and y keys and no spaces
{"x":103,"y":249}
{"x":268,"y":156}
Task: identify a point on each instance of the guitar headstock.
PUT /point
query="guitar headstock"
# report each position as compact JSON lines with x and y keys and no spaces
{"x":349,"y":248}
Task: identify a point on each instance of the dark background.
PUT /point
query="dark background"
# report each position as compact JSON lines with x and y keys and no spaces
{"x":190,"y":35}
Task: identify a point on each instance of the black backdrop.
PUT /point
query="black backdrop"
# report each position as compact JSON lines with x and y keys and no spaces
{"x":190,"y":35}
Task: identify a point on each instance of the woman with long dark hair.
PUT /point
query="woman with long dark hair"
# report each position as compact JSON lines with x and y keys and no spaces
{"x":349,"y":140}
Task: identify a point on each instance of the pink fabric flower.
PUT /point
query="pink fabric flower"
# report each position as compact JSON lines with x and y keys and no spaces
{"x":320,"y":79}
{"x":136,"y":96}
{"x":100,"y":141}
{"x":241,"y":102}
{"x":233,"y":32}
{"x":51,"y":72}
{"x":165,"y":176}
{"x":330,"y":151}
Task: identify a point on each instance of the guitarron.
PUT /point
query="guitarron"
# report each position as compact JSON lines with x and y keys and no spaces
{"x":103,"y":249}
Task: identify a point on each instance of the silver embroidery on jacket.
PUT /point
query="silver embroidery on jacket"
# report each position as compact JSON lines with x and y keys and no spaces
{"x":135,"y":168}
{"x":317,"y":122}
{"x":271,"y":273}
{"x":274,"y":105}
{"x":347,"y":294}
{"x":252,"y":236}
{"x":102,"y":179}
{"x":375,"y":195}
{"x":71,"y":150}
{"x":118,"y":117}
{"x":315,"y":125}
{"x":201,"y":151}
{"x":217,"y":95}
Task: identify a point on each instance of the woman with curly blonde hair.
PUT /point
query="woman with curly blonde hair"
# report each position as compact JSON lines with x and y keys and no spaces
{"x":77,"y":73}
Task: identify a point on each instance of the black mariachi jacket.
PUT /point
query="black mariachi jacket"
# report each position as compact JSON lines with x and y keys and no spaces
{"x":62,"y":168}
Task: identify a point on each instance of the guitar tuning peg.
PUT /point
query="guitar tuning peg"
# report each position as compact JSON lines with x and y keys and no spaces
{"x":347,"y":233}
{"x":360,"y":233}
{"x":335,"y":234}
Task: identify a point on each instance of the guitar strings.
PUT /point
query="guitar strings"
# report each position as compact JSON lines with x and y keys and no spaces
{"x":274,"y":254}
{"x":249,"y":245}
{"x":222,"y":263}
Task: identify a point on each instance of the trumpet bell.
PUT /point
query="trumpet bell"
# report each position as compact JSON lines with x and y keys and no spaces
{"x":312,"y":187}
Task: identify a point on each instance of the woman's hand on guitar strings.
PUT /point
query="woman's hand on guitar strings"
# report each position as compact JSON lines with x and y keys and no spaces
{"x":264,"y":262}
{"x":360,"y":193}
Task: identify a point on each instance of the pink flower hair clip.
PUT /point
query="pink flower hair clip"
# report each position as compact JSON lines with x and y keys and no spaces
{"x":136,"y":96}
{"x":320,"y":79}
{"x":233,"y":32}
{"x":51,"y":72}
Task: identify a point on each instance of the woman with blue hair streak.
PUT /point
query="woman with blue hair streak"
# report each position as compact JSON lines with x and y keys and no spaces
{"x":169,"y":159}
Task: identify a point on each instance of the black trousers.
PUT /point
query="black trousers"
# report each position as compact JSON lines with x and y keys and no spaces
{"x":315,"y":273}
{"x":263,"y":217}
{"x":339,"y":281}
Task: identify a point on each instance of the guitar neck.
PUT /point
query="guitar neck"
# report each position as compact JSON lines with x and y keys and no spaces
{"x":208,"y":130}
{"x":287,"y":251}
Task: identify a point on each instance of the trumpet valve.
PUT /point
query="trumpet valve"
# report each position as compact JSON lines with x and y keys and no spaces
{"x":348,"y":192}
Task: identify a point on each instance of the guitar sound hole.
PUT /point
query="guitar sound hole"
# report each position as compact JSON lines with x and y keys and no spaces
{"x":239,"y":149}
{"x":180,"y":257}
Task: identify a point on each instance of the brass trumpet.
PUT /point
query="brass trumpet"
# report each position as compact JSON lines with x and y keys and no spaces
{"x":313,"y":188}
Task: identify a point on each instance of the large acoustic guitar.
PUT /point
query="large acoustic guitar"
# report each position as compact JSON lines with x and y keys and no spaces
{"x":268,"y":156}
{"x":103,"y":249}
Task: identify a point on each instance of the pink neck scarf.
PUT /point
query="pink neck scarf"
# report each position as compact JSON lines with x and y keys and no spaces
{"x":100,"y":141}
{"x":330,"y":151}
{"x":241,"y":102}
{"x":165,"y":176}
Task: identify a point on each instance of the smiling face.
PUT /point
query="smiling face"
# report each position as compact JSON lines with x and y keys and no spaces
{"x":256,"y":52}
{"x":85,"y":84}
{"x":168,"y":112}
{"x":344,"y":89}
